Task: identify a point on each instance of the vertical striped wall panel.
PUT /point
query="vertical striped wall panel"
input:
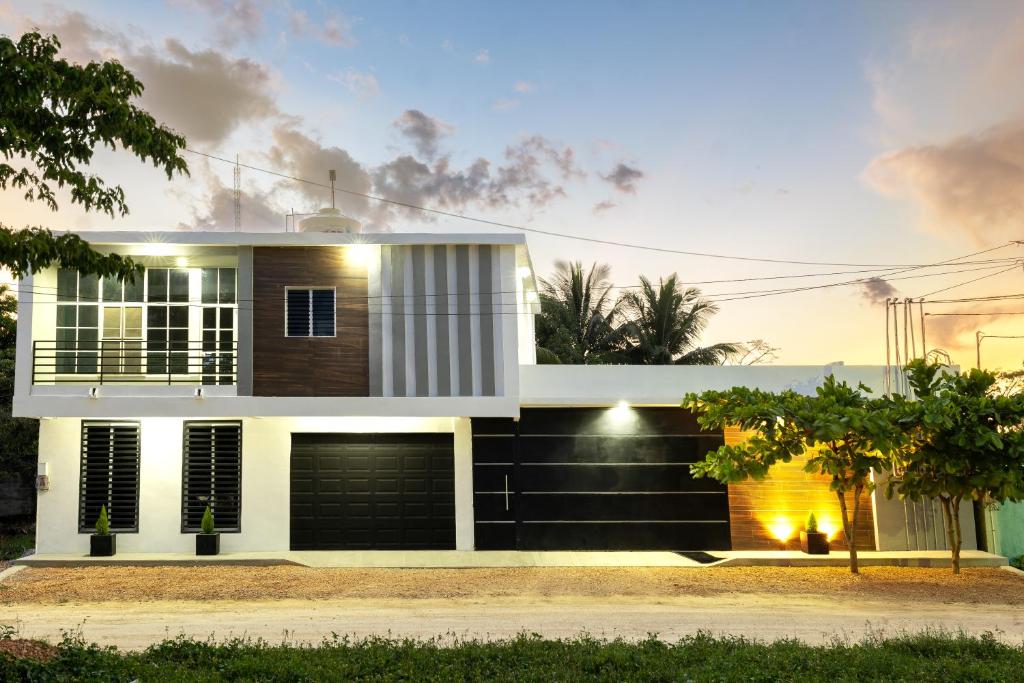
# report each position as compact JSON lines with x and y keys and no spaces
{"x":437,"y":320}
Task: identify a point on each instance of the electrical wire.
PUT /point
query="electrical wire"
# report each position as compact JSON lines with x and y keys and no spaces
{"x":967,"y":282}
{"x":551,"y":233}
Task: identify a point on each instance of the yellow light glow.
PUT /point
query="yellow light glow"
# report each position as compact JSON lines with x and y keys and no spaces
{"x":181,"y":262}
{"x":531,"y":297}
{"x":828,"y":527}
{"x":620,"y":412}
{"x":782,"y":529}
{"x":360,"y":253}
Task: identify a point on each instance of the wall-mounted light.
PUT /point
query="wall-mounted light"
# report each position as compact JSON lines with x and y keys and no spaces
{"x":181,"y":262}
{"x":620,"y":412}
{"x":94,"y":392}
{"x":782,"y":530}
{"x":199,"y":392}
{"x":43,"y":477}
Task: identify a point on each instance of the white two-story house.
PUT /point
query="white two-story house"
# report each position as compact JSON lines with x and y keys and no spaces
{"x":332,"y":390}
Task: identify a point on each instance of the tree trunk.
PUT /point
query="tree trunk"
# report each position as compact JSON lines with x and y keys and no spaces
{"x":850,"y":530}
{"x":952,"y":516}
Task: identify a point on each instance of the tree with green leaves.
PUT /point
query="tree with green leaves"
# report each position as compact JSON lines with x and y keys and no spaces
{"x":53,"y":116}
{"x":665,"y":324}
{"x":843,"y":434}
{"x":578,"y":314}
{"x":967,"y":442}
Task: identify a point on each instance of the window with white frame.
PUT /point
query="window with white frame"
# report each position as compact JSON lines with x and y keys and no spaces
{"x":309,"y":312}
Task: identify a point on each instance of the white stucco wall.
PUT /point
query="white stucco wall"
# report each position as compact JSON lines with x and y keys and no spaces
{"x":266,"y":453}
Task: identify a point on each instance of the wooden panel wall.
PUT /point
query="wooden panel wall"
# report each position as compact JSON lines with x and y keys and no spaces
{"x":788,"y":495}
{"x":314,"y":366}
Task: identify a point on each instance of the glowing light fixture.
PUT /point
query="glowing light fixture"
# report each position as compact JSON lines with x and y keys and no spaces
{"x":359,"y":253}
{"x":181,"y":262}
{"x":828,"y":528}
{"x":782,"y":529}
{"x":620,"y":411}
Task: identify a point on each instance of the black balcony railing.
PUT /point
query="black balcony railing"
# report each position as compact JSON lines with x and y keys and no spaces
{"x":134,"y":361}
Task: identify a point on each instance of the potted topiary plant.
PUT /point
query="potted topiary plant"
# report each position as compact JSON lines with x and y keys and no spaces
{"x":207,"y":540}
{"x":812,"y":541}
{"x":102,"y":543}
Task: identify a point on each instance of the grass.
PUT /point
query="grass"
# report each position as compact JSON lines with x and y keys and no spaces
{"x":14,"y":546}
{"x":931,"y":657}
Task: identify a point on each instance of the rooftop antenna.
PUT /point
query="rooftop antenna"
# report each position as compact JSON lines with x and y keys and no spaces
{"x":238,"y":195}
{"x":333,"y":175}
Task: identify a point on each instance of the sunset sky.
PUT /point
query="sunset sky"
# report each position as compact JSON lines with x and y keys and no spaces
{"x":857,"y":133}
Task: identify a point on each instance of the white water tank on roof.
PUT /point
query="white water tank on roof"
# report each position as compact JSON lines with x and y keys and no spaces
{"x":329,"y":219}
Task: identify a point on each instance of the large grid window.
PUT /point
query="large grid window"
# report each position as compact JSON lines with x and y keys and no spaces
{"x":77,"y":322}
{"x":109,"y":475}
{"x":212,"y":475}
{"x":309,"y":312}
{"x":218,"y":308}
{"x":167,"y":323}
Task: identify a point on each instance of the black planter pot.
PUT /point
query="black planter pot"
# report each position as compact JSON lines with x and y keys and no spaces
{"x":208,"y":544}
{"x":102,"y":545}
{"x":814,"y":543}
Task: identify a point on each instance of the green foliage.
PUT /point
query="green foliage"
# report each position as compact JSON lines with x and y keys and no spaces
{"x":1017,"y":562}
{"x":580,"y":323}
{"x":701,"y":657}
{"x":968,"y":439}
{"x":206,"y":525}
{"x":55,"y":114}
{"x":577,"y":321}
{"x":665,"y":323}
{"x":13,"y":547}
{"x":32,"y":249}
{"x":812,"y":524}
{"x":967,"y":442}
{"x":843,"y":433}
{"x":102,"y":523}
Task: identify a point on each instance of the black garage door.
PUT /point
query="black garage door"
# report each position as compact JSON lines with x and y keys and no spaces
{"x":596,"y":479}
{"x":372,"y":491}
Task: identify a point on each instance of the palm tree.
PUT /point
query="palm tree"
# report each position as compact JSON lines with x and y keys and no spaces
{"x":665,"y":323}
{"x":577,"y":319}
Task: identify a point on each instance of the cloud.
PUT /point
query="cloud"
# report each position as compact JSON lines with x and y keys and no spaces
{"x":503,"y":104}
{"x":483,"y":57}
{"x":624,"y":177}
{"x":957,"y":332}
{"x":204,"y":95}
{"x":425,"y":132}
{"x":524,"y":87}
{"x":447,"y":46}
{"x":259,"y":213}
{"x":971,"y":185}
{"x":876,"y":290}
{"x":333,"y":29}
{"x":305,"y":157}
{"x":603,"y":206}
{"x":362,"y":85}
{"x":235,"y":19}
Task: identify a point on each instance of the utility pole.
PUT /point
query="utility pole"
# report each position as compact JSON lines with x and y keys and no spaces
{"x":978,"y":336}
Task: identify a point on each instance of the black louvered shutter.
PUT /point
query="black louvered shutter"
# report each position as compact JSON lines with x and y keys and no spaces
{"x":212,"y":475}
{"x":110,"y":475}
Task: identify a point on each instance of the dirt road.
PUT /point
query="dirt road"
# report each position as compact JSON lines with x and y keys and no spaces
{"x":134,"y":607}
{"x":766,"y":617}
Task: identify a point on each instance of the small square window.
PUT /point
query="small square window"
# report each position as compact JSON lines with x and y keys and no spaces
{"x":309,"y":312}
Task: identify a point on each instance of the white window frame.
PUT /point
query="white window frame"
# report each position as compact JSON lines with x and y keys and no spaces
{"x":334,"y":310}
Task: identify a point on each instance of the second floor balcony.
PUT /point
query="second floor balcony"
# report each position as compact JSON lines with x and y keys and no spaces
{"x":134,"y":361}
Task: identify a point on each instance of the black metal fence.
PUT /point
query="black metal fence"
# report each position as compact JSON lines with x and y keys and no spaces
{"x":134,"y":361}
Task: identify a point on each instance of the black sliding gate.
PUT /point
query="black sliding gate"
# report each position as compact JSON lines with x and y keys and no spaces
{"x":596,"y":479}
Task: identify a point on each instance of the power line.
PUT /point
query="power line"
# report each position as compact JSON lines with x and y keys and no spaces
{"x":711,"y":298}
{"x":551,"y":233}
{"x":967,"y":282}
{"x":989,"y":313}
